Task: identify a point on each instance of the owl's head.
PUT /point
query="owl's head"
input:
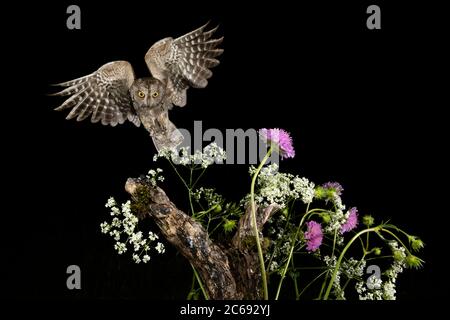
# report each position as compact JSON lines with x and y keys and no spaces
{"x":147,"y":92}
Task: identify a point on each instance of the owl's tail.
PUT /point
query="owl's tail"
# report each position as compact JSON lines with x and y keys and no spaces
{"x":170,"y":140}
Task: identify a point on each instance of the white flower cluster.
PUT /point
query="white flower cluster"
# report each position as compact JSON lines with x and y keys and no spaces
{"x":277,"y":259}
{"x":331,"y":264}
{"x":274,"y":266}
{"x":389,"y":290}
{"x":369,"y":290}
{"x":160,"y":248}
{"x":374,"y":283}
{"x":276,"y":188}
{"x":209,"y":194}
{"x":304,"y":188}
{"x":212,"y":153}
{"x":154,"y":176}
{"x":396,"y":268}
{"x":128,"y":223}
{"x":280,"y":235}
{"x":338,"y":218}
{"x":286,"y":248}
{"x":399,"y":252}
{"x":124,"y":222}
{"x":353,"y":268}
{"x":375,"y":288}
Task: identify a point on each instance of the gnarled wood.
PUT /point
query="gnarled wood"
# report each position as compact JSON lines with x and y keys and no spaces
{"x":228,"y":271}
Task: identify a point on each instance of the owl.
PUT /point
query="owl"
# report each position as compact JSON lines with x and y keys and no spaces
{"x":112,"y":94}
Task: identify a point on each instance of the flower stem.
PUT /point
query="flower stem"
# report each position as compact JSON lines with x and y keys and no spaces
{"x":290,"y":254}
{"x":198,"y":178}
{"x":367,"y":242}
{"x":202,"y":213}
{"x":205,"y":294}
{"x":309,"y":284}
{"x":189,"y":189}
{"x":308,"y":213}
{"x":323,"y":285}
{"x":190,"y":194}
{"x":338,"y":263}
{"x":391,"y":226}
{"x":294,"y":278}
{"x":334,"y":243}
{"x":397,"y":238}
{"x":282,"y":234}
{"x":191,"y":292}
{"x":178,"y":174}
{"x":255,"y":226}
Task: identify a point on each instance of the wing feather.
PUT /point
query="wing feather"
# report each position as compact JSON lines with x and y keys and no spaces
{"x":184,"y":62}
{"x":104,"y":95}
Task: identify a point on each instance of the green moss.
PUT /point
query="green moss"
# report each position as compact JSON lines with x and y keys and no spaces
{"x":141,"y":200}
{"x":249,"y":242}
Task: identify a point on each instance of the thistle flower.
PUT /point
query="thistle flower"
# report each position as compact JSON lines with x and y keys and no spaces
{"x":368,"y":220}
{"x":229,"y":225}
{"x":416,"y":243}
{"x":352,"y":221}
{"x":281,"y":140}
{"x":413,"y":261}
{"x":334,"y":187}
{"x":313,"y":235}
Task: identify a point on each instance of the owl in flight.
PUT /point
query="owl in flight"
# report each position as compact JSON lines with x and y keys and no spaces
{"x":112,"y":94}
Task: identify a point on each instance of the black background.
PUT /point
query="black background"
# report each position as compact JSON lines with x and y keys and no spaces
{"x":364,"y":108}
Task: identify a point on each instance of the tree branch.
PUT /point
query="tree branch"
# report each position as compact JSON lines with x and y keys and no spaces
{"x":189,"y":238}
{"x":228,"y":271}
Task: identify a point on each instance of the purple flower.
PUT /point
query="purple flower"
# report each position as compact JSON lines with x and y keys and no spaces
{"x":351,"y":222}
{"x":336,"y":186}
{"x":281,"y":139}
{"x":314,"y":236}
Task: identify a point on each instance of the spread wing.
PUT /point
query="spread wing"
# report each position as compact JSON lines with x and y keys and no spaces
{"x":103,"y":94}
{"x":184,"y":62}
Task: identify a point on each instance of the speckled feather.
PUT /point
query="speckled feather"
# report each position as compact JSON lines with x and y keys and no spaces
{"x":184,"y":62}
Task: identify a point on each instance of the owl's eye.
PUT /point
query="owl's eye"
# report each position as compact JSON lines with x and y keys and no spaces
{"x":155,"y":94}
{"x":141,"y":94}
